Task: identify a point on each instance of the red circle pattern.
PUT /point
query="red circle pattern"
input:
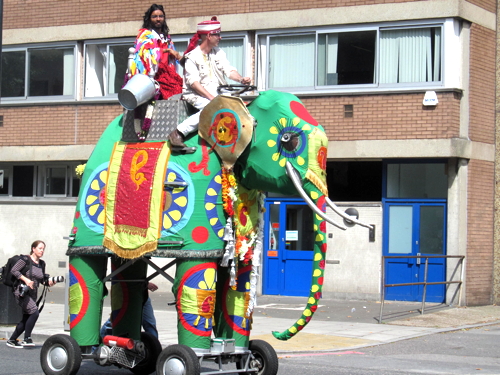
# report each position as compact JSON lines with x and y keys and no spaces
{"x":199,"y":234}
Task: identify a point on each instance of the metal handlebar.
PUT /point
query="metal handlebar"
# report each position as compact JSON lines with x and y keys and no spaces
{"x":236,"y":90}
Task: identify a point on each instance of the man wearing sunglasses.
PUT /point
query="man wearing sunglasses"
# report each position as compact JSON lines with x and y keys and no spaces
{"x":206,"y":68}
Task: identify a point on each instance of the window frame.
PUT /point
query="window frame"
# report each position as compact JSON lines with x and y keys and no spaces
{"x":246,"y":69}
{"x":42,"y":180}
{"x":39,"y":177}
{"x":385,"y":177}
{"x":108,"y":43}
{"x":450,"y":50}
{"x":49,"y":98}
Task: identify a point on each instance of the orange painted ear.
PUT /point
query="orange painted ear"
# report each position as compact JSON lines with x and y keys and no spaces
{"x":227,"y":126}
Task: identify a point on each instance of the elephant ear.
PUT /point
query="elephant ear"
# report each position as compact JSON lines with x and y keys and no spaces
{"x":227,"y":125}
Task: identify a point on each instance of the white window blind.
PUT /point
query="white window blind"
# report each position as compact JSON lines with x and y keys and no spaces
{"x":291,"y":61}
{"x":410,"y":55}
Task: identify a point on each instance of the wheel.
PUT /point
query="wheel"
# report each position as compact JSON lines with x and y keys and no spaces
{"x":263,"y":358}
{"x":178,"y":360}
{"x":153,"y":350}
{"x":60,"y":355}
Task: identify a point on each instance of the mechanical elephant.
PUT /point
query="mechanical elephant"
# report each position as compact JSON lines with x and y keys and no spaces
{"x":205,"y":209}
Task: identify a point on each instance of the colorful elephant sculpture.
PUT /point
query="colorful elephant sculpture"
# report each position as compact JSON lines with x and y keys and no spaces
{"x":142,"y":199}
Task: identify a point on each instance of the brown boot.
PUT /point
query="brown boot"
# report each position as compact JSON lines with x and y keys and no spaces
{"x":176,"y":139}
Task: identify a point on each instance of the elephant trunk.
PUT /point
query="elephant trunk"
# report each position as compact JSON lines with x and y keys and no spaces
{"x":318,"y":200}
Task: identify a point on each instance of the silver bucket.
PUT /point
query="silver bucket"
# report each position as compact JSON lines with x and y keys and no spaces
{"x":138,"y":90}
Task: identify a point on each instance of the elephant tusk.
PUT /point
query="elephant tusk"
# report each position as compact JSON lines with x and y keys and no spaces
{"x":294,"y":176}
{"x":339,"y":212}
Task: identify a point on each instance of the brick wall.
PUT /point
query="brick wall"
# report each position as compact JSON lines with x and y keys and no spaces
{"x":482,"y":84}
{"x":390,"y":116}
{"x":73,"y":12}
{"x":55,"y":125}
{"x":479,"y":257}
{"x":489,"y":5}
{"x":395,"y":116}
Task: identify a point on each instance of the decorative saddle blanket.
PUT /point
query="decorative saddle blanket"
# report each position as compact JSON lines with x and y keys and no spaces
{"x":134,"y":198}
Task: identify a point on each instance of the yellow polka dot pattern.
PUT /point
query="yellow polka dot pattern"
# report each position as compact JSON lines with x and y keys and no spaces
{"x":317,"y":282}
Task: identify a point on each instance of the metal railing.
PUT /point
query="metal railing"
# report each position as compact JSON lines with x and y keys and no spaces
{"x":424,"y":283}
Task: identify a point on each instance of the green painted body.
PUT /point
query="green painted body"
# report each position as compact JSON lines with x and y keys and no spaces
{"x":193,"y":226}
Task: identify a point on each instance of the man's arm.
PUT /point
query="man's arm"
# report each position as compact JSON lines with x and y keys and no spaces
{"x":230,"y":71}
{"x":235,"y":76}
{"x":201,"y":91}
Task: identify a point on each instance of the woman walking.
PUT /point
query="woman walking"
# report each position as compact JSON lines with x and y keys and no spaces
{"x":29,"y":270}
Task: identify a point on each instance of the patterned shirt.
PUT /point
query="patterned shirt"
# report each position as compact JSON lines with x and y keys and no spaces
{"x":28,"y":302}
{"x":36,"y":271}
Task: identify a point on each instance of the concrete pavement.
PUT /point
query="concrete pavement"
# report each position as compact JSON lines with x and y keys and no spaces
{"x":336,"y":326}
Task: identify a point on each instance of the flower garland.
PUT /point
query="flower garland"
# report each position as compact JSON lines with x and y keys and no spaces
{"x":243,"y":228}
{"x":229,"y":190}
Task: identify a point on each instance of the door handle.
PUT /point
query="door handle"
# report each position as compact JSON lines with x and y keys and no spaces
{"x":419,"y":259}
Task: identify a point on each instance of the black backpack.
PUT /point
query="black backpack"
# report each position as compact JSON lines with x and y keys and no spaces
{"x":7,"y":277}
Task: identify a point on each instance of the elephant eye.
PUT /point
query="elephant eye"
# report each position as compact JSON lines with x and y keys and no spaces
{"x":290,"y":141}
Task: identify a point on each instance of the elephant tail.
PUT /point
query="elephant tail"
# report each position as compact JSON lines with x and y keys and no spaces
{"x":317,"y":277}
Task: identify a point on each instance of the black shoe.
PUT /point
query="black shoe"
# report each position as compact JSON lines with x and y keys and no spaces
{"x":28,"y":342}
{"x":14,"y":344}
{"x":176,"y":139}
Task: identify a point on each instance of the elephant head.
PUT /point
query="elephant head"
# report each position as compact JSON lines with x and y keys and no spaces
{"x":287,"y":155}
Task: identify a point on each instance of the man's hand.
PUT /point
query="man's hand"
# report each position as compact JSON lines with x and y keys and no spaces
{"x":174,"y":53}
{"x":152,"y":287}
{"x":246,"y":80}
{"x":235,"y":76}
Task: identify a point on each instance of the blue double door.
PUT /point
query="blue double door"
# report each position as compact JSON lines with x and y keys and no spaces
{"x":288,"y":248}
{"x":411,"y":229}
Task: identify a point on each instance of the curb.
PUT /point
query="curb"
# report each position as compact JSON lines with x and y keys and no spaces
{"x":40,"y":338}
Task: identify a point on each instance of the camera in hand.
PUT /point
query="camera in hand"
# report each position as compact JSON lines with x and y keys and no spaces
{"x":23,"y":290}
{"x":55,"y":279}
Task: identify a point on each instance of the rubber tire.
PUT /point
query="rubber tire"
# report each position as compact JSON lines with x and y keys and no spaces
{"x":182,"y":353}
{"x":265,"y":355}
{"x":55,"y":346}
{"x":153,"y":350}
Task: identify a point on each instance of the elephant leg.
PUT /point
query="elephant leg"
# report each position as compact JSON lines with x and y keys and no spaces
{"x":194,"y":291}
{"x":86,"y":294}
{"x":127,"y":299}
{"x":232,"y":309}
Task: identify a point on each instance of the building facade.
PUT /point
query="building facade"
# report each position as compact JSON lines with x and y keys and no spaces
{"x":405,"y":90}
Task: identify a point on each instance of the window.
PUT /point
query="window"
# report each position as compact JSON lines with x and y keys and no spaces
{"x":23,"y":181}
{"x":375,"y":56}
{"x":105,"y":68}
{"x":418,"y":180}
{"x":233,"y":44}
{"x":4,"y":181}
{"x":54,"y":180}
{"x":38,"y":73}
{"x":410,"y":55}
{"x":106,"y":62}
{"x":354,"y":181}
{"x":180,"y":45}
{"x":235,"y":52}
{"x":346,"y":58}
